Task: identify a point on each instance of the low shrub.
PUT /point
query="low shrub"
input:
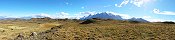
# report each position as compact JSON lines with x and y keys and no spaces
{"x":88,"y":21}
{"x":134,"y":21}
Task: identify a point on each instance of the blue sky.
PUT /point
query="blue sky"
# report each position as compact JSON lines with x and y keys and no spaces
{"x":152,"y":10}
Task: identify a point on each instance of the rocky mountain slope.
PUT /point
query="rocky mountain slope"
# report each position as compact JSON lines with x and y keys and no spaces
{"x":105,"y":15}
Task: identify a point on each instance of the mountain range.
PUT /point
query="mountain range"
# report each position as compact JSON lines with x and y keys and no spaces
{"x":103,"y":15}
{"x":2,"y":17}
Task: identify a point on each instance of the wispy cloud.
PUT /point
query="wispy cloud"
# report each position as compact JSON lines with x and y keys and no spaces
{"x":62,"y":15}
{"x":116,"y":5}
{"x":82,"y":14}
{"x":57,"y":15}
{"x":88,"y":12}
{"x":67,"y":3}
{"x":123,"y":3}
{"x":158,"y":20}
{"x":107,"y":6}
{"x":137,"y":3}
{"x":151,"y":19}
{"x":157,"y":11}
{"x":40,"y":15}
{"x":145,"y":17}
{"x":83,"y":7}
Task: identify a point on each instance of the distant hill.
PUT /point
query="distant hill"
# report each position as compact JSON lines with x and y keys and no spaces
{"x":35,"y":16}
{"x":137,"y":19}
{"x":6,"y":18}
{"x":25,"y":17}
{"x":2,"y":17}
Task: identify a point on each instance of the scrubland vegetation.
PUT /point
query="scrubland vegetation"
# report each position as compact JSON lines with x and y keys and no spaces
{"x":94,"y":29}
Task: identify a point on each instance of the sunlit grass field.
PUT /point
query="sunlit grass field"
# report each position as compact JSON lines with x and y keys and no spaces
{"x":99,"y":30}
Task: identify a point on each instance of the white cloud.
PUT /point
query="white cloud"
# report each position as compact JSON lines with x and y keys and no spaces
{"x":116,"y":5}
{"x":157,"y":11}
{"x":67,"y":3}
{"x":82,"y":7}
{"x":151,"y":19}
{"x":146,"y":17}
{"x":155,"y":20}
{"x":63,"y":15}
{"x":59,"y":15}
{"x":158,"y":20}
{"x":40,"y":15}
{"x":125,"y":16}
{"x":87,"y":13}
{"x":107,"y":6}
{"x":123,"y":3}
{"x":167,"y":13}
{"x":82,"y":14}
{"x":137,"y":3}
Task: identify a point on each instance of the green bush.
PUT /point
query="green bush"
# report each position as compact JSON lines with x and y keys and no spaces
{"x":134,"y":21}
{"x":88,"y":21}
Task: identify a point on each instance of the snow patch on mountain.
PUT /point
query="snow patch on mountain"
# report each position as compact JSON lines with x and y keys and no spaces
{"x":105,"y":15}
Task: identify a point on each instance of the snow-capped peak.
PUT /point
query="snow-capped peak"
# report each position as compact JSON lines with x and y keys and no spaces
{"x":103,"y":15}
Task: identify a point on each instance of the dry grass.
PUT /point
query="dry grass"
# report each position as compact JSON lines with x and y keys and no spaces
{"x":102,"y":30}
{"x":10,"y":29}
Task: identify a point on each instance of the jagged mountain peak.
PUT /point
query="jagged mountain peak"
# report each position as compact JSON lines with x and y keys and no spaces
{"x":103,"y":15}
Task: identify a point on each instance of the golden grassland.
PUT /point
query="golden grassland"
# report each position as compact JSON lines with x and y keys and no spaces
{"x":99,"y":30}
{"x":10,"y":29}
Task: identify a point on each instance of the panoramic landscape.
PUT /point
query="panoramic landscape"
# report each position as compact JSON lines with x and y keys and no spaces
{"x":87,"y":20}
